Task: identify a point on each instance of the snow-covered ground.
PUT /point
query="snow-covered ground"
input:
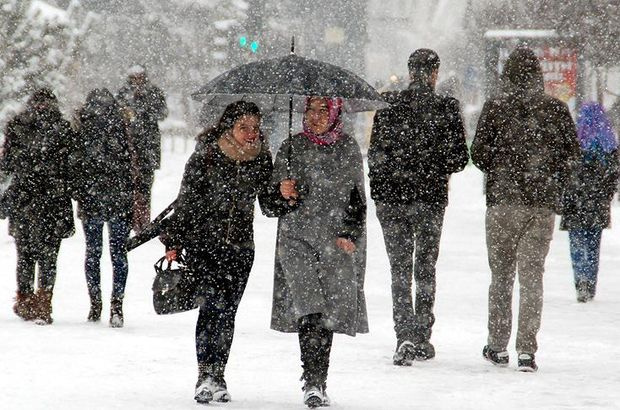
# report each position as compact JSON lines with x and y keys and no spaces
{"x":150,"y":363}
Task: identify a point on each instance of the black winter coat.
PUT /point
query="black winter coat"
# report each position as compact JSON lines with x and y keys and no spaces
{"x":148,"y":106}
{"x":37,"y":153}
{"x":215,"y":205}
{"x":414,"y":147}
{"x":104,"y":185}
{"x":591,"y":188}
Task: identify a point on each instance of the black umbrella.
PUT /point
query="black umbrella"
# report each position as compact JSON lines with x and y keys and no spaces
{"x":284,"y":83}
{"x":279,"y":83}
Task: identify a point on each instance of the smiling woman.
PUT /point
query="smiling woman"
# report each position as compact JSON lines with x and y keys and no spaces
{"x":321,"y":250}
{"x":212,"y":225}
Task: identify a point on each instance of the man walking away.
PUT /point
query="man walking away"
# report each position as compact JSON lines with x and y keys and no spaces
{"x":524,"y":144}
{"x":415,"y":145}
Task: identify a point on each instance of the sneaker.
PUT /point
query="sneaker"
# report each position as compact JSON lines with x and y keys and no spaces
{"x":204,"y":390}
{"x":527,"y":363}
{"x":582,"y":291}
{"x":313,"y":396}
{"x":424,"y":351}
{"x":497,"y":358}
{"x":220,"y":392}
{"x":405,"y":354}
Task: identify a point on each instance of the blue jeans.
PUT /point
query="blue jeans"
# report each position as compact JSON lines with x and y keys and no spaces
{"x":118,"y":231}
{"x":585,"y":247}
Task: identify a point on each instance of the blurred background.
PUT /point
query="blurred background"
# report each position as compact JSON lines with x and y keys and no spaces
{"x":76,"y":45}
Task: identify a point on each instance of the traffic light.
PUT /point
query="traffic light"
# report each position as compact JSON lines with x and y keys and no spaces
{"x":253,"y":45}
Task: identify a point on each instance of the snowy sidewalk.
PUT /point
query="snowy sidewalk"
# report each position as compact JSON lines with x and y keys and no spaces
{"x":150,"y":364}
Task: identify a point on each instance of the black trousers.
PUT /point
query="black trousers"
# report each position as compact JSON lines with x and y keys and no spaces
{"x":32,"y":252}
{"x":226,"y":272}
{"x":315,"y":343}
{"x":408,"y":229}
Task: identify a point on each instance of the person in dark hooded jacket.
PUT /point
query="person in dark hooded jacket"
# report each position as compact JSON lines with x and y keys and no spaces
{"x":212,"y":225}
{"x":104,"y":194}
{"x":37,"y":154}
{"x":415,"y":146}
{"x":525,"y":142}
{"x":587,"y":199}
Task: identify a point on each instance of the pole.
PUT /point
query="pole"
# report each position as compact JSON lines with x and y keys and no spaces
{"x":290,"y":121}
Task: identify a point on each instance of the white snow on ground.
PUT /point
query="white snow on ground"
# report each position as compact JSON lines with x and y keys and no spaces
{"x":150,"y":363}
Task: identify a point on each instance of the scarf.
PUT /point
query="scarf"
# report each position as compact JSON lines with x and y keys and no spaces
{"x":238,"y":152}
{"x":334,"y":130}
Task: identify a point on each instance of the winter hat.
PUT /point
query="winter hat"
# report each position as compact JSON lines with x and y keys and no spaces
{"x":523,"y":69}
{"x":136,"y":70}
{"x":235,"y":111}
{"x":423,"y":62}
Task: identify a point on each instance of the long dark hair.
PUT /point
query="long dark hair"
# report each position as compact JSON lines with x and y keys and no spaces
{"x":231,"y":114}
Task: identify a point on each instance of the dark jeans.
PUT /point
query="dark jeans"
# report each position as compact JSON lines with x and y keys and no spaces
{"x":226,"y":273}
{"x":118,"y":231}
{"x":33,"y":251}
{"x":315,"y":343}
{"x":408,"y":229}
{"x":585,"y":247}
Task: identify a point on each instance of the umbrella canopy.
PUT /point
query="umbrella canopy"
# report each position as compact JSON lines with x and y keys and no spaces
{"x":272,"y":83}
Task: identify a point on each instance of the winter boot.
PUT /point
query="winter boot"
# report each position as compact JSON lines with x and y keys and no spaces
{"x":94,"y":315}
{"x":497,"y":358}
{"x":44,"y":307}
{"x":405,"y":354}
{"x":116,"y":313}
{"x":211,"y":384}
{"x":25,"y":305}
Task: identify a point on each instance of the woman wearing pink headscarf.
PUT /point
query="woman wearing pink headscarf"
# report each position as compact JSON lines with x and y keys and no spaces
{"x":321,"y":249}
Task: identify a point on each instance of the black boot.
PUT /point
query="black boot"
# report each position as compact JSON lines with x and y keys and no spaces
{"x":94,"y":315}
{"x":116,"y":313}
{"x":315,"y":345}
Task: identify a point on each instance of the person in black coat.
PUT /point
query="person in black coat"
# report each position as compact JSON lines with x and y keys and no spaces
{"x":414,"y":147}
{"x":143,"y":106}
{"x":37,"y":155}
{"x":212,"y":225}
{"x":104,"y":194}
{"x":587,"y":198}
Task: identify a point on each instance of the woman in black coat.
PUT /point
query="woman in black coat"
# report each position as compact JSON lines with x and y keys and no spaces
{"x":588,"y":196}
{"x":104,"y":195}
{"x":212,"y":224}
{"x":36,"y":154}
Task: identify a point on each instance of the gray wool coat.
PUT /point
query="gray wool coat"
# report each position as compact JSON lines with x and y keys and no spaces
{"x":311,"y":274}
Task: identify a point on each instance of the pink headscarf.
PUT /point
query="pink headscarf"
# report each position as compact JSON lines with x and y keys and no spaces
{"x":334,"y":129}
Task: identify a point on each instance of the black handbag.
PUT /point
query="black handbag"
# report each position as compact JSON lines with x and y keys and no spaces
{"x":175,"y":290}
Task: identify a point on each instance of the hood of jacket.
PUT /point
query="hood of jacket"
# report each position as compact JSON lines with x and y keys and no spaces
{"x":522,"y":72}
